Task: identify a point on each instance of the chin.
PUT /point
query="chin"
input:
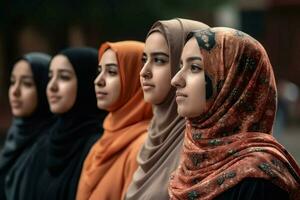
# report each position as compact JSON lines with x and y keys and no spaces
{"x":17,"y":114}
{"x":148,"y":99}
{"x":101,"y":106}
{"x":186,"y":113}
{"x":56,"y":110}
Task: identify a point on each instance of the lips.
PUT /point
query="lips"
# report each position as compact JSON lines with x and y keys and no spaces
{"x":101,"y":94}
{"x":147,"y":86}
{"x":54,"y":99}
{"x":180,"y":96}
{"x":16,"y":104}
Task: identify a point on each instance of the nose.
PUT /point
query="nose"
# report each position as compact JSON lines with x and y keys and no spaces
{"x":100,"y":80}
{"x":146,"y":72}
{"x":178,"y":80}
{"x":52,"y":85}
{"x":16,"y":91}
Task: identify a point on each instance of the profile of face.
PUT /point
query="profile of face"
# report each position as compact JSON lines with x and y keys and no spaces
{"x":155,"y":75}
{"x":62,"y":86}
{"x":22,"y":92}
{"x":107,"y":83}
{"x":190,"y":81}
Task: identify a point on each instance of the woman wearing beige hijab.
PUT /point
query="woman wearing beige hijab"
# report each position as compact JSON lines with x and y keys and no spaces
{"x":160,"y":153}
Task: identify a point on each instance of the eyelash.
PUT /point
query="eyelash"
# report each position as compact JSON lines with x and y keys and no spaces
{"x":144,"y":59}
{"x":25,"y":83}
{"x":160,"y":61}
{"x":64,"y":77}
{"x":60,"y":76}
{"x":195,"y":68}
{"x":111,"y":72}
{"x":28,"y":84}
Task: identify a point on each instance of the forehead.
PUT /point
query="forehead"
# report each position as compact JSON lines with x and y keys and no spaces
{"x":156,"y":42}
{"x":61,"y":62}
{"x":22,"y":67}
{"x":191,"y":48}
{"x":109,"y":56}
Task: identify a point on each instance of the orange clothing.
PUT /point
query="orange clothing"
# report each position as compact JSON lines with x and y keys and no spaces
{"x":109,"y":167}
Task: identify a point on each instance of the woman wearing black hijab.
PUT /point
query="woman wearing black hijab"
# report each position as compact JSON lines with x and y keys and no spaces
{"x":32,"y":117}
{"x":70,"y":92}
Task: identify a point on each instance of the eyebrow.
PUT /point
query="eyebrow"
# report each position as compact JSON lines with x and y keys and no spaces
{"x":24,"y":76}
{"x":189,"y":59}
{"x":63,"y":70}
{"x":157,"y":54}
{"x":111,"y":65}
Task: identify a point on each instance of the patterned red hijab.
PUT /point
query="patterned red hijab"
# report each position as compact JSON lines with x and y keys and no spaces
{"x":233,"y":138}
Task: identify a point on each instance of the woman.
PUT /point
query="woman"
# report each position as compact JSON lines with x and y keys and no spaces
{"x":32,"y":119}
{"x":70,"y":92}
{"x":227,"y":92}
{"x":159,"y":155}
{"x":110,"y":165}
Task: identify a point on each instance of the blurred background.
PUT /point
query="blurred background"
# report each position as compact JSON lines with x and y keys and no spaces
{"x":51,"y":25}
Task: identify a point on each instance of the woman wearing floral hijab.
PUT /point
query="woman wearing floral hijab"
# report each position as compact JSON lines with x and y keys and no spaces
{"x":227,"y":92}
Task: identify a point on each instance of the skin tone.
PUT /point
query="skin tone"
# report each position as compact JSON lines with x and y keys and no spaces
{"x":62,"y":86}
{"x":190,"y":82}
{"x":155,"y":75}
{"x":108,"y":82}
{"x":22,"y":92}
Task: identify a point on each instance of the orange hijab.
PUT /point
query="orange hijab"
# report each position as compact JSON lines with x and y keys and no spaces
{"x":125,"y":130}
{"x":232,"y":140}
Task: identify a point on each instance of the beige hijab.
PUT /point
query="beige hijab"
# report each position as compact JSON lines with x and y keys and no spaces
{"x":160,"y":153}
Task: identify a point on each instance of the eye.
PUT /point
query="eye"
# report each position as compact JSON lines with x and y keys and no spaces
{"x":50,"y":75}
{"x":99,"y":69}
{"x":144,"y":59}
{"x":159,"y":60}
{"x":64,"y":77}
{"x":12,"y":81}
{"x":195,"y":68}
{"x":28,"y":83}
{"x":113,"y":72}
{"x":180,"y":65}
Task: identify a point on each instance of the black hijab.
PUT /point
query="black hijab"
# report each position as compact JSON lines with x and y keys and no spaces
{"x":59,"y":160}
{"x":24,"y":131}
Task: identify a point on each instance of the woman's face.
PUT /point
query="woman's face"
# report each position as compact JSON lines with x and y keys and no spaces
{"x":108,"y":83}
{"x":62,"y":86}
{"x":155,"y":75}
{"x":190,"y":81}
{"x":22,"y":92}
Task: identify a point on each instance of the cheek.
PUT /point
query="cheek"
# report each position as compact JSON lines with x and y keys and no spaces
{"x":115,"y":89}
{"x":30,"y":101}
{"x":72,"y":94}
{"x":197,"y":103}
{"x":162,"y":80}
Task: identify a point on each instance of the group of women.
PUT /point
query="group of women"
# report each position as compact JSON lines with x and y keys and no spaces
{"x":186,"y":115}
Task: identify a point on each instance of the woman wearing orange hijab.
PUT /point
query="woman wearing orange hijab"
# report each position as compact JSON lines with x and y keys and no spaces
{"x":109,"y":167}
